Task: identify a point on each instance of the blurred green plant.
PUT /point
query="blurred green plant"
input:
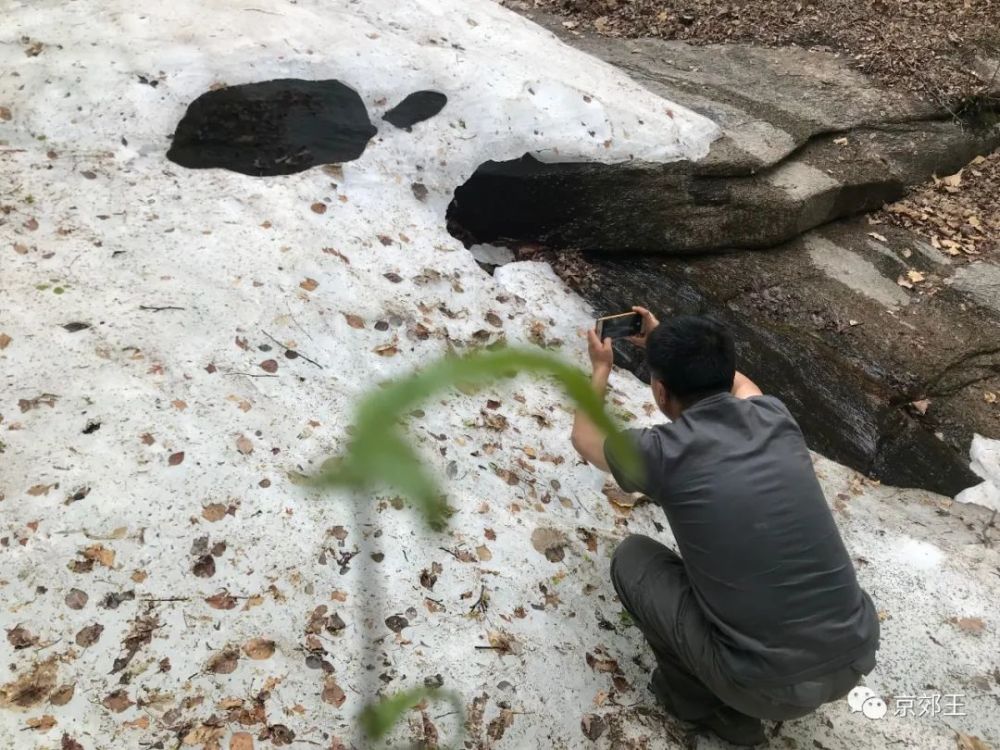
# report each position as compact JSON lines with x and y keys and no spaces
{"x":379,"y":718}
{"x":378,"y":453}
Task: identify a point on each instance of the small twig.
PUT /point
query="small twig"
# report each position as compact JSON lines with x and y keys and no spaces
{"x":154,"y":308}
{"x":450,"y":552}
{"x":491,"y":648}
{"x":168,"y":599}
{"x":296,"y":352}
{"x":481,"y":602}
{"x":252,"y":375}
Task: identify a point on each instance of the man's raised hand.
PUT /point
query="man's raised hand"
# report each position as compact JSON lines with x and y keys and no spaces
{"x":601,"y":355}
{"x":649,"y":322}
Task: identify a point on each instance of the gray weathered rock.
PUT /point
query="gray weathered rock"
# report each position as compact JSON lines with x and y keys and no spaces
{"x":806,"y":140}
{"x":823,"y":323}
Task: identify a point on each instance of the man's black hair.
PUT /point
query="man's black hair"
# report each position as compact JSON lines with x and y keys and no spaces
{"x":694,"y":356}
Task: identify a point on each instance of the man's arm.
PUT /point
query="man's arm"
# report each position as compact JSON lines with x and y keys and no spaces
{"x":588,"y":438}
{"x":744,"y":387}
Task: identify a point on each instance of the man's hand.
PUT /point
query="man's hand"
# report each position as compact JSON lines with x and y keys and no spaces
{"x":649,"y":322}
{"x":588,"y":438}
{"x":601,"y":355}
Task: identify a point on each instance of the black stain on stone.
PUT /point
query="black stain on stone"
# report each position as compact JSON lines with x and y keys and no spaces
{"x":273,"y":127}
{"x":417,"y":107}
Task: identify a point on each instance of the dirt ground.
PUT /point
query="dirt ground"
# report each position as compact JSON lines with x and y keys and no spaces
{"x":926,"y":46}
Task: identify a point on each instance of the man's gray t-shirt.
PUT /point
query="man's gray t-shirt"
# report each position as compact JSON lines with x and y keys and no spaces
{"x":758,"y":541}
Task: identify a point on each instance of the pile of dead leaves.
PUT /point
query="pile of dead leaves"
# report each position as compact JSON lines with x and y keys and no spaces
{"x":926,"y":46}
{"x":958,"y":214}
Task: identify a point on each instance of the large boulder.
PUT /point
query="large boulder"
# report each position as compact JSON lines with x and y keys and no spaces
{"x":893,"y":380}
{"x":805,"y":140}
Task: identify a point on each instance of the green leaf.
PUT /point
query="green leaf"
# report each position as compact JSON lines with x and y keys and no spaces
{"x":377,"y":453}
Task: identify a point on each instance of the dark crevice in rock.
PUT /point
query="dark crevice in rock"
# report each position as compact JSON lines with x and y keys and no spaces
{"x":417,"y":107}
{"x":273,"y":127}
{"x":843,"y":396}
{"x":685,"y":207}
{"x":286,"y":125}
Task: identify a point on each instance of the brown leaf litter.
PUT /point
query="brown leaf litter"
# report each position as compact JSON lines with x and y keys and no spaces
{"x":925,"y":47}
{"x":958,"y":214}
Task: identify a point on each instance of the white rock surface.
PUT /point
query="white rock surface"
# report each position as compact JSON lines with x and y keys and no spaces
{"x":196,"y":440}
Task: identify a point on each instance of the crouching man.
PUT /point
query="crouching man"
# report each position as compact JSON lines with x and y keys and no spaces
{"x":761,"y":615}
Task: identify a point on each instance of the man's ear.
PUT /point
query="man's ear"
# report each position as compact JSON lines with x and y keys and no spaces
{"x":660,"y":393}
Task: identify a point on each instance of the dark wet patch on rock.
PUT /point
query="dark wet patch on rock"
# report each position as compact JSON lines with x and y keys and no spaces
{"x":273,"y":127}
{"x":417,"y":107}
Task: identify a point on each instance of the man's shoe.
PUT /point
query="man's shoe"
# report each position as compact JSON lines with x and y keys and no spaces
{"x":734,"y":727}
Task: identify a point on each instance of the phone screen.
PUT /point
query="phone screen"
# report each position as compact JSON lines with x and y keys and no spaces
{"x":619,"y":326}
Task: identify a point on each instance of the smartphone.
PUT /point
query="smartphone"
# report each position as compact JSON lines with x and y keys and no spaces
{"x":619,"y":326}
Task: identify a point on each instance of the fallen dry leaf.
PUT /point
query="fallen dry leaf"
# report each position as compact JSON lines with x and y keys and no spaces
{"x":31,"y":687}
{"x":593,"y":726}
{"x":259,"y":648}
{"x":970,"y":742}
{"x":62,"y":694}
{"x":179,"y":405}
{"x":221,"y":600}
{"x":396,"y":623}
{"x":214,"y":511}
{"x":318,"y":207}
{"x":921,"y":406}
{"x":550,"y":542}
{"x":483,"y":553}
{"x":176,"y":459}
{"x":309,"y":284}
{"x":117,"y":701}
{"x":496,"y":728}
{"x":915,"y":276}
{"x":904,"y":282}
{"x":5,"y":340}
{"x":952,"y":180}
{"x":269,"y":365}
{"x":333,"y":693}
{"x":204,"y":566}
{"x":354,"y":321}
{"x":241,"y":741}
{"x":141,"y":723}
{"x":100,"y":554}
{"x":207,"y":736}
{"x":244,"y":445}
{"x":76,"y":599}
{"x":19,"y":637}
{"x":89,"y":635}
{"x":42,"y":723}
{"x":877,"y":236}
{"x":224,"y":662}
{"x":971,"y":625}
{"x":601,"y":663}
{"x":40,"y":489}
